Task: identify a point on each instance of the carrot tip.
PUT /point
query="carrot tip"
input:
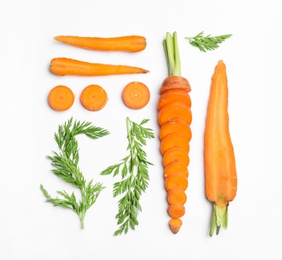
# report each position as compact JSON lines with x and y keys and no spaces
{"x":175,"y":225}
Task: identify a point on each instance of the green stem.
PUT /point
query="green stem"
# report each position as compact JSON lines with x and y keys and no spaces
{"x":219,"y":219}
{"x":172,"y":54}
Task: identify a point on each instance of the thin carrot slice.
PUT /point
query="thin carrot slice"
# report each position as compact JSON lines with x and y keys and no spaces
{"x":131,"y":43}
{"x":174,"y":140}
{"x":173,"y":111}
{"x":61,"y":98}
{"x":136,"y":95}
{"x":176,"y":210}
{"x":174,"y":95}
{"x":176,"y":181}
{"x":94,"y":97}
{"x":176,"y":154}
{"x":175,"y":167}
{"x":176,"y":196}
{"x":176,"y":125}
{"x":175,"y":82}
{"x":67,"y":66}
{"x":175,"y":225}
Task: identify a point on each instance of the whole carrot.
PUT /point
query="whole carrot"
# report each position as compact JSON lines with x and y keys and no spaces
{"x":130,"y":43}
{"x":68,"y":66}
{"x":174,"y":118}
{"x":219,"y":158}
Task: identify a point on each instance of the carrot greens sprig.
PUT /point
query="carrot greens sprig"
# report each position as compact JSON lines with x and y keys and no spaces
{"x":65,"y":166}
{"x":133,"y":170}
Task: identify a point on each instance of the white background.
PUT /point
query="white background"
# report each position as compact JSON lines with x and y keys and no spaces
{"x":32,"y":229}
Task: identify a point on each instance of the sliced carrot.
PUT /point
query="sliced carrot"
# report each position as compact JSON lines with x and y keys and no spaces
{"x":67,"y":66}
{"x":176,"y":125}
{"x":136,"y":95}
{"x":174,"y":95}
{"x":175,"y":225}
{"x":178,"y":181}
{"x":174,"y":140}
{"x":94,"y":97}
{"x":176,"y":196}
{"x":61,"y":98}
{"x":173,"y":111}
{"x":175,"y":82}
{"x":176,"y":210}
{"x":131,"y":43}
{"x":175,"y":154}
{"x":175,"y":167}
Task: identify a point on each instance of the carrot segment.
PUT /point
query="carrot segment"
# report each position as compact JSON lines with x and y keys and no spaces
{"x":176,"y":196}
{"x":175,"y":82}
{"x":174,"y":140}
{"x":177,"y":125}
{"x":174,"y":95}
{"x":219,"y":158}
{"x":94,"y":97}
{"x":174,"y":110}
{"x":61,"y":98}
{"x":68,"y":66}
{"x":176,"y":180}
{"x":136,"y":95}
{"x":131,"y":43}
{"x":176,"y":210}
{"x":171,"y":168}
{"x":175,"y":154}
{"x":175,"y":225}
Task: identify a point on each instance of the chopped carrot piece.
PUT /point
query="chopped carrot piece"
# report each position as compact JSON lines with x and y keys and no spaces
{"x":176,"y":196}
{"x":94,"y":97}
{"x":175,"y":139}
{"x":176,"y":154}
{"x":177,"y":180}
{"x":176,"y":210}
{"x":175,"y":167}
{"x":175,"y":225}
{"x":61,"y":98}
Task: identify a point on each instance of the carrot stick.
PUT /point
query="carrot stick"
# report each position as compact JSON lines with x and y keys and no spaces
{"x":93,"y":97}
{"x":61,"y":98}
{"x":131,"y":43}
{"x":174,"y":119}
{"x":219,"y":158}
{"x":68,"y":66}
{"x":136,"y":95}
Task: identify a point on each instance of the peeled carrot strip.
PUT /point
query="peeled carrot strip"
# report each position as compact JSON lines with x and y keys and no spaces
{"x":131,"y":43}
{"x":94,"y":97}
{"x":61,"y":98}
{"x":67,"y":66}
{"x":136,"y":95}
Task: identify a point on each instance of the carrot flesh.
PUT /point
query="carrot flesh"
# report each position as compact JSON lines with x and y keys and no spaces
{"x":172,"y":168}
{"x":61,"y":98}
{"x":94,"y":97}
{"x":219,"y":158}
{"x":67,"y":66}
{"x":176,"y":210}
{"x":176,"y":154}
{"x":178,"y":181}
{"x":175,"y":83}
{"x":130,"y":43}
{"x":175,"y":225}
{"x":177,"y":125}
{"x":174,"y":140}
{"x":176,"y":196}
{"x":174,"y":95}
{"x":136,"y":95}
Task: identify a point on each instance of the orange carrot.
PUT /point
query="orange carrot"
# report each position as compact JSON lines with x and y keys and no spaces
{"x":219,"y":158}
{"x":174,"y":119}
{"x":131,"y":43}
{"x":93,"y":97}
{"x":136,"y":95}
{"x":61,"y":98}
{"x":67,"y":66}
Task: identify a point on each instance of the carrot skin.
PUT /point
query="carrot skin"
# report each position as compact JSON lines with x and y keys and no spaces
{"x":219,"y":158}
{"x":68,"y":66}
{"x":131,"y":43}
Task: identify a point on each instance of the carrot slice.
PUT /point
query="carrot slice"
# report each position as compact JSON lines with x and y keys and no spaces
{"x":136,"y":95}
{"x":176,"y":196}
{"x":174,"y":110}
{"x":176,"y":210}
{"x":176,"y":154}
{"x":61,"y":98}
{"x":176,"y":181}
{"x":175,"y":167}
{"x":175,"y":82}
{"x":175,"y":225}
{"x":176,"y":125}
{"x":174,"y":140}
{"x":174,"y":95}
{"x":93,"y":97}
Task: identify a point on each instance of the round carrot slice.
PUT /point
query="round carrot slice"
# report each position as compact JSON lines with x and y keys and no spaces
{"x":177,"y":125}
{"x":175,"y":82}
{"x":171,"y":168}
{"x":174,"y":95}
{"x":176,"y":154}
{"x":93,"y":97}
{"x":61,"y":98}
{"x":176,"y":210}
{"x":176,"y":181}
{"x":175,"y":139}
{"x":176,"y":196}
{"x":136,"y":95}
